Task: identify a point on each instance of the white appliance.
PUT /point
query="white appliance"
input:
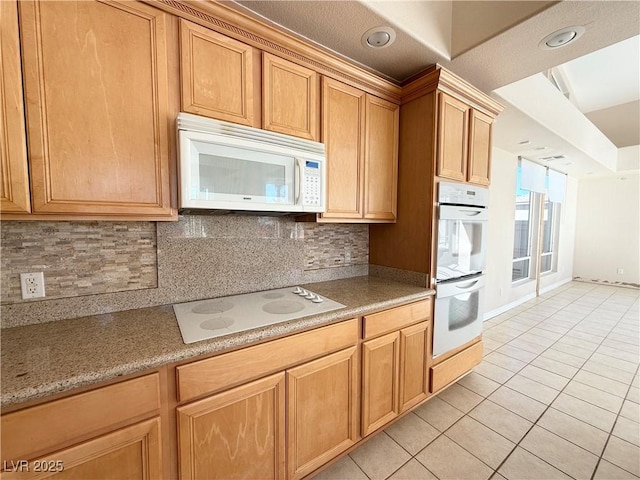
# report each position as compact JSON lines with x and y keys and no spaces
{"x":460,"y":265}
{"x":224,"y":166}
{"x":204,"y":319}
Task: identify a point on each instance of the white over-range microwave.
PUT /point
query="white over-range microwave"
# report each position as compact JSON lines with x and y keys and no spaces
{"x":224,"y":166}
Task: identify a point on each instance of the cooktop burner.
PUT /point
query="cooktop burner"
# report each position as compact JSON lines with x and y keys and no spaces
{"x":216,"y":317}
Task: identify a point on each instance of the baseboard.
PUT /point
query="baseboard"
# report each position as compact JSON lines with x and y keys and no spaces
{"x":553,"y":286}
{"x":508,"y":306}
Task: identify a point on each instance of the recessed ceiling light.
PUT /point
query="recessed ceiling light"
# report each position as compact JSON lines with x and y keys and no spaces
{"x":378,"y":37}
{"x":524,"y":142}
{"x":540,"y":148}
{"x":561,"y":37}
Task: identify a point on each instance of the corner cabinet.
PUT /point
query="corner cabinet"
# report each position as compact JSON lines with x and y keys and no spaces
{"x":98,"y":108}
{"x":464,"y":142}
{"x":360,"y":133}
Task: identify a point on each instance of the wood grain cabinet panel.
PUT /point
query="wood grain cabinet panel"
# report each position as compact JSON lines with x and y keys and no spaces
{"x":381,"y":166}
{"x":453,"y":367}
{"x":239,"y":433}
{"x":14,"y":181}
{"x":134,"y":452}
{"x":453,"y":126}
{"x":290,"y":98}
{"x":380,"y":368}
{"x":414,"y":352}
{"x":98,"y":107}
{"x":343,"y":119}
{"x":219,"y":76}
{"x":322,"y":407}
{"x":479,"y":168}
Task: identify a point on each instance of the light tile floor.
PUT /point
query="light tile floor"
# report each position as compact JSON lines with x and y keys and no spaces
{"x":557,"y":396}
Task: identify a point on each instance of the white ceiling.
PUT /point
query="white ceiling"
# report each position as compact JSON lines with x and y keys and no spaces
{"x":489,"y":43}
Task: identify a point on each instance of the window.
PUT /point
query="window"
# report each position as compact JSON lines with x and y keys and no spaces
{"x":536,"y":214}
{"x":522,"y":241}
{"x":550,"y":226}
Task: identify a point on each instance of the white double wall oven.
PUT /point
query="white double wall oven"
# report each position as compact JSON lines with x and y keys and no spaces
{"x":460,"y":265}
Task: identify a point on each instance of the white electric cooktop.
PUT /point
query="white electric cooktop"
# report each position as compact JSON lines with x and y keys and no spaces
{"x":216,"y":317}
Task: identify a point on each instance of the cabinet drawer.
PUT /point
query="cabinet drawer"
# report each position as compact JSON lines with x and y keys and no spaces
{"x":447,"y":371}
{"x":51,"y":425}
{"x":396,"y":318}
{"x":230,"y":369}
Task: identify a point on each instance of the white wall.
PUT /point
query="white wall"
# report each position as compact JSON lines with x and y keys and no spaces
{"x":499,"y":291}
{"x":608,"y":229}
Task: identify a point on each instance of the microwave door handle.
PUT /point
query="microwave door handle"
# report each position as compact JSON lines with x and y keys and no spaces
{"x":298,"y":178}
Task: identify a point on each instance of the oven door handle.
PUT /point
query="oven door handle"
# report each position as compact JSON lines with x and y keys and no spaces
{"x":470,"y":213}
{"x":468,"y":285}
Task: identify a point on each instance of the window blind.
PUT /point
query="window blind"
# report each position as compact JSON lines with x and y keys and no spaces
{"x":533,"y":176}
{"x":557,"y":186}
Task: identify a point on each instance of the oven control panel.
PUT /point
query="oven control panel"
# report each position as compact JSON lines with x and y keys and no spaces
{"x":461,"y":194}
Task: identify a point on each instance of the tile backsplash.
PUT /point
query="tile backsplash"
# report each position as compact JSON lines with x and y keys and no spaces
{"x":102,"y":267}
{"x":78,"y":258}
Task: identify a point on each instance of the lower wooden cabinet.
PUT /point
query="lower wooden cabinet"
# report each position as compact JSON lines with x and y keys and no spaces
{"x":380,"y":358}
{"x":322,"y":411}
{"x":415,"y":343}
{"x":238,"y":433}
{"x":133,"y":453}
{"x":394,"y":375}
{"x":86,"y":435}
{"x":453,"y":367}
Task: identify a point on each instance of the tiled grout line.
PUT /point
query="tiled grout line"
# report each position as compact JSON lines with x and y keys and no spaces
{"x":569,"y":379}
{"x":606,"y":443}
{"x":562,"y":390}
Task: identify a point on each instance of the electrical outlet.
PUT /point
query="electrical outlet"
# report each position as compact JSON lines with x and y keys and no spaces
{"x":621,"y":271}
{"x":32,"y":285}
{"x":347,"y":256}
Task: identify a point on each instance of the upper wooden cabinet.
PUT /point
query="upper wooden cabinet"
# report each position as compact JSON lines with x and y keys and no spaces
{"x":381,"y":154}
{"x":360,"y":133}
{"x":343,"y":119}
{"x":453,"y":127}
{"x":219,"y":76}
{"x":14,"y":184}
{"x":290,"y":98}
{"x":464,"y":142}
{"x":479,"y":168}
{"x":98,"y":107}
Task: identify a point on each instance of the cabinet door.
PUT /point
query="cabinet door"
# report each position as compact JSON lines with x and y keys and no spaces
{"x":343,"y":117}
{"x":290,"y":98}
{"x":321,"y":411}
{"x":98,"y":107}
{"x":414,"y":352}
{"x":453,"y":125}
{"x":14,"y":184}
{"x":479,"y":148}
{"x":380,"y":359}
{"x":219,"y":76}
{"x":234,"y":434}
{"x":381,"y":159}
{"x":133,"y":453}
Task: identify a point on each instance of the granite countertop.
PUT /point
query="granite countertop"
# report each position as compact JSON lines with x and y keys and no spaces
{"x":40,"y":360}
